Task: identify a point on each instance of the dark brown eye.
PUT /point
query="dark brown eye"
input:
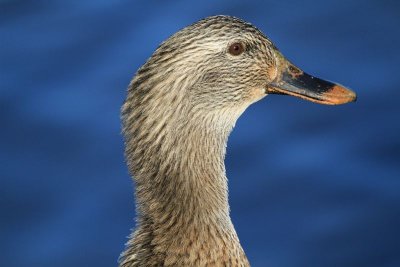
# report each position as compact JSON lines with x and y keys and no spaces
{"x":236,"y":49}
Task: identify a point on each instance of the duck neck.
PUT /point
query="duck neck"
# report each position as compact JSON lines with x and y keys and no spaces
{"x":180,"y":174}
{"x":176,"y":157}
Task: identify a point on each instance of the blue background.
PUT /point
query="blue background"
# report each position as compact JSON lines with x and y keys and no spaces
{"x":310,"y":185}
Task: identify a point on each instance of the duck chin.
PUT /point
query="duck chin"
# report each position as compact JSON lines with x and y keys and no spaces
{"x":232,"y":113}
{"x":257,"y":94}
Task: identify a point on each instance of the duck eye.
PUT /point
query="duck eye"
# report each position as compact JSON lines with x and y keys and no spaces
{"x":236,"y":49}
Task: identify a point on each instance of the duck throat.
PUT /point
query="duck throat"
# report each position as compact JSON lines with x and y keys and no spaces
{"x":176,"y":157}
{"x":179,"y":170}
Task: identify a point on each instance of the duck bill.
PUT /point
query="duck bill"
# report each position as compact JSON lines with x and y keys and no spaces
{"x":293,"y":81}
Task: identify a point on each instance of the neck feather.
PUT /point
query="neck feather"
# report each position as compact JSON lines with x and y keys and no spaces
{"x":179,"y":168}
{"x":175,"y":152}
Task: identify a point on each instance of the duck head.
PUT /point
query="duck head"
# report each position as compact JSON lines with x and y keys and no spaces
{"x":224,"y":62}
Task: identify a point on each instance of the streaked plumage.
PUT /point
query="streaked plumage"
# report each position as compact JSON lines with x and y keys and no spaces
{"x":180,"y":108}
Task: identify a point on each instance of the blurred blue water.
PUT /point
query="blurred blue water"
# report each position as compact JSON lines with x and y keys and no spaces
{"x":310,"y":185}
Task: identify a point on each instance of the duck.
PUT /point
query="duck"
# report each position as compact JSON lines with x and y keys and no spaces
{"x":180,"y":108}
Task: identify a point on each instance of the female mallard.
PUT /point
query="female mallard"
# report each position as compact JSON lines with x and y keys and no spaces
{"x":180,"y":108}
